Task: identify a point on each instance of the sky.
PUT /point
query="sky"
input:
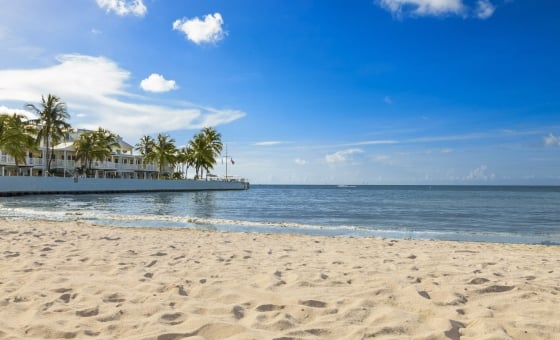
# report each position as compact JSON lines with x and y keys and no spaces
{"x":308,"y":91}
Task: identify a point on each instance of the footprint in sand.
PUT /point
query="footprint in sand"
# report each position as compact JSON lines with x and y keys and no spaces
{"x":174,"y":336}
{"x":238,"y":312}
{"x":172,"y":318}
{"x":424,"y":294}
{"x":114,"y":298}
{"x":269,"y":308}
{"x":88,"y":312}
{"x":11,"y":254}
{"x":495,"y":289}
{"x":65,"y":297}
{"x":109,"y":238}
{"x":478,"y":281}
{"x":182,"y":291}
{"x":314,"y":331}
{"x":62,"y":290}
{"x":313,"y":303}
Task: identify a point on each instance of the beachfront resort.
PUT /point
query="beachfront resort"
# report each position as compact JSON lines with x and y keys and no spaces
{"x":49,"y":146}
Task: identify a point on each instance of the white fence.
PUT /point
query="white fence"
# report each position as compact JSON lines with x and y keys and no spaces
{"x":6,"y":160}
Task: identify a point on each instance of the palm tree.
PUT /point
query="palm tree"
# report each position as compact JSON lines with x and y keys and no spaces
{"x":214,"y":139}
{"x":185,"y":157}
{"x":145,"y":146}
{"x":94,"y":145}
{"x":202,"y":154}
{"x":84,"y":146}
{"x":163,"y":152}
{"x":105,"y":141}
{"x":52,"y":125}
{"x":206,"y":146}
{"x":16,"y":137}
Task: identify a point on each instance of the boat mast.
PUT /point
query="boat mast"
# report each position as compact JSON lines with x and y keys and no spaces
{"x":228,"y":159}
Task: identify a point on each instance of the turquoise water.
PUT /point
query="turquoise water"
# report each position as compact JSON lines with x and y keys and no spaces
{"x":466,"y":213}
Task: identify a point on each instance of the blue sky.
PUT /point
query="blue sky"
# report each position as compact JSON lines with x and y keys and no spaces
{"x":307,"y":92}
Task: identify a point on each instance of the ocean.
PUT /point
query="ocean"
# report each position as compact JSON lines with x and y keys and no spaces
{"x":504,"y":214}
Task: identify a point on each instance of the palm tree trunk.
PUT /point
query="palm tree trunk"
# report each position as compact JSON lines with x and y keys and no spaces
{"x":45,"y":156}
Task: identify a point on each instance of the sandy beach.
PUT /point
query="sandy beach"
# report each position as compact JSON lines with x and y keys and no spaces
{"x":77,"y":280}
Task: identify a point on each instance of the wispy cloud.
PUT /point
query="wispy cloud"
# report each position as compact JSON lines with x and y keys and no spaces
{"x":157,"y":83}
{"x":422,"y":7}
{"x":480,"y":174}
{"x":482,"y":9}
{"x":342,"y":156}
{"x":300,"y":161}
{"x":95,"y":89}
{"x":124,"y":7}
{"x":428,"y":139}
{"x":10,"y":111}
{"x":269,"y":143}
{"x":551,"y":140}
{"x":208,"y":30}
{"x":373,"y":142}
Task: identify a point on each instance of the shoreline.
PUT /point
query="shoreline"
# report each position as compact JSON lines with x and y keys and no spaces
{"x":281,"y":228}
{"x":78,"y":279}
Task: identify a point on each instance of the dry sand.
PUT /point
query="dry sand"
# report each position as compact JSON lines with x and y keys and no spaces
{"x":76,"y":280}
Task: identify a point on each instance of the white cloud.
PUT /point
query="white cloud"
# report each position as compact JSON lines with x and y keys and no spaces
{"x":157,"y":83}
{"x":11,"y":111}
{"x":268,"y":143}
{"x":374,"y":142}
{"x":551,"y":140}
{"x":300,"y":161}
{"x":342,"y":156}
{"x":484,"y":9}
{"x":94,"y":89}
{"x":480,"y":173}
{"x":199,"y":31}
{"x":124,"y":7}
{"x":423,"y":7}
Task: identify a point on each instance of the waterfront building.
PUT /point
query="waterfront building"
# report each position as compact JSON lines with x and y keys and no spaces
{"x":123,"y":162}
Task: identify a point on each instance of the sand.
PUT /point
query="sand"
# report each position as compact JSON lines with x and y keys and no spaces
{"x":77,"y":280}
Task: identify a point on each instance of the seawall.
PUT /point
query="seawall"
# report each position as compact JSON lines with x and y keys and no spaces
{"x":25,"y":185}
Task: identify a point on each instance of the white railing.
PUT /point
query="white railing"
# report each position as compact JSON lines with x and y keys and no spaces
{"x":7,"y":160}
{"x":63,"y":164}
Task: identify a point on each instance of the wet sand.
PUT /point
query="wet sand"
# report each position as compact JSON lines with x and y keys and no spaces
{"x":76,"y":280}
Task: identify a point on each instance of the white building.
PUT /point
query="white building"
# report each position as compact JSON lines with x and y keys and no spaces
{"x":123,"y":163}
